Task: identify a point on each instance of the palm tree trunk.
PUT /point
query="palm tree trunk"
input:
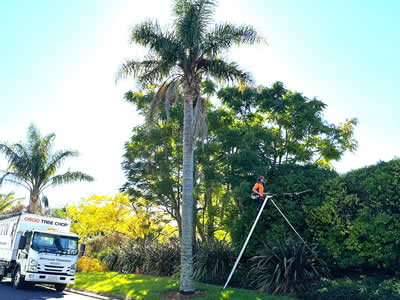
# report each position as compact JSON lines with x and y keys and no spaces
{"x":187,"y":282}
{"x":34,"y":202}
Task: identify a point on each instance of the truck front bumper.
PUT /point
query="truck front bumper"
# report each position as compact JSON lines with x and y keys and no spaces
{"x":49,"y":278}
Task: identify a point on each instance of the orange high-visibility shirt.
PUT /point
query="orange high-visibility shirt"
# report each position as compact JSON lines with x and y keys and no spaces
{"x":259,"y":188}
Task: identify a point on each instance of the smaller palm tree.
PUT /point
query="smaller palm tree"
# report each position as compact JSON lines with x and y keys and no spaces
{"x":33,"y":166}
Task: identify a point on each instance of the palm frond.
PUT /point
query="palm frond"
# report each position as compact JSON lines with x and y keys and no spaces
{"x":157,"y":74}
{"x":171,"y":96}
{"x":134,"y":68}
{"x":224,"y":71}
{"x":18,"y":161}
{"x":168,"y":92}
{"x":12,"y":153}
{"x":164,"y":53}
{"x":15,"y":178}
{"x":67,"y":177}
{"x":149,"y":34}
{"x":158,"y":97}
{"x":33,"y":135}
{"x":199,"y":124}
{"x":57,"y":160}
{"x":226,"y":35}
{"x":163,"y":45}
{"x":192,"y":19}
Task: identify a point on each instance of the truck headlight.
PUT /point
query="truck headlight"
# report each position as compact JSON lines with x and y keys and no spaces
{"x":32,"y":264}
{"x":72,"y":269}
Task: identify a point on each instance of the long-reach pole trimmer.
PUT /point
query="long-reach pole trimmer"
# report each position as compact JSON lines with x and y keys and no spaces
{"x":254,"y":225}
{"x":247,"y":240}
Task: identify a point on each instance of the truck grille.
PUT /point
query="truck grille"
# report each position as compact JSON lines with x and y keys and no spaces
{"x":53,"y":267}
{"x":50,"y":269}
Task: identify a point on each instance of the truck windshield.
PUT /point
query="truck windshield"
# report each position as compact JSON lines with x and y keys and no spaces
{"x":52,"y":243}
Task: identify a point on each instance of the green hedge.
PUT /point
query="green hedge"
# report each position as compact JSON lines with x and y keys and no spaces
{"x":358,"y":221}
{"x":363,"y":288}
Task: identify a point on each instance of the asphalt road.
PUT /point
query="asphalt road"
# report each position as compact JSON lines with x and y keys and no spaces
{"x":38,"y":292}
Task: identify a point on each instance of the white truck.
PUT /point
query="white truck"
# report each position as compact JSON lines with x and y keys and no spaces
{"x":38,"y":249}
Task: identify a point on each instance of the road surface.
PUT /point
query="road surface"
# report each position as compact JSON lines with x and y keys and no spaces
{"x":39,"y":292}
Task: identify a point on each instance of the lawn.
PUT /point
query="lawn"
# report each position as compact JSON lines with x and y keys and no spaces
{"x":145,"y":287}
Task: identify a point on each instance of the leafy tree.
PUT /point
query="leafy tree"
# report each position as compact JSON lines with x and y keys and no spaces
{"x":297,"y":133}
{"x":102,"y":215}
{"x":182,"y":58}
{"x":33,"y":166}
{"x":153,"y":158}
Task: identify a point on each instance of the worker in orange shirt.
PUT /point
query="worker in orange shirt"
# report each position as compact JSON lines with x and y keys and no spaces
{"x":258,"y":192}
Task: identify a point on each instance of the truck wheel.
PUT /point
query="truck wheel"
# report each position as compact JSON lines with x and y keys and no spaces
{"x":60,"y":287}
{"x":17,"y":279}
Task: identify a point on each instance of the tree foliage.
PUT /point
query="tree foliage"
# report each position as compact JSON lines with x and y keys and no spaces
{"x":241,"y":144}
{"x":102,"y":215}
{"x":9,"y":204}
{"x":357,"y":220}
{"x":297,"y":132}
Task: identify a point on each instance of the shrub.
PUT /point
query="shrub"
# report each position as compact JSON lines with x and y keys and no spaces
{"x":88,"y":264}
{"x":286,"y":267}
{"x":161,"y":259}
{"x":212,"y":264}
{"x":358,"y":221}
{"x":152,"y":258}
{"x":363,"y":288}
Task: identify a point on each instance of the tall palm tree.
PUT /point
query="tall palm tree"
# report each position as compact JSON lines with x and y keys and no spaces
{"x":180,"y":58}
{"x":33,"y":166}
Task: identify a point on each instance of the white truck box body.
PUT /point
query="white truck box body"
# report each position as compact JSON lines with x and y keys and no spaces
{"x":18,"y":224}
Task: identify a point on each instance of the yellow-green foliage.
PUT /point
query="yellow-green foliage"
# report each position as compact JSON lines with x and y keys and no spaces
{"x":88,"y":264}
{"x":106,"y":215}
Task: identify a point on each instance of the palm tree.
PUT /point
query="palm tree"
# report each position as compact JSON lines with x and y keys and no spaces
{"x":33,"y":166}
{"x":182,"y":58}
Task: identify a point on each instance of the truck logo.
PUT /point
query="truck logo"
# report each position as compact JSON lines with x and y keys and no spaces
{"x":48,"y":222}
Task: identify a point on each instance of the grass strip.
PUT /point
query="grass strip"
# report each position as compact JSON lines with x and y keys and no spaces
{"x":132,"y":286}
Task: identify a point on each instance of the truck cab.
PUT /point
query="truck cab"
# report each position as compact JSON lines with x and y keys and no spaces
{"x":47,"y":257}
{"x":38,"y":249}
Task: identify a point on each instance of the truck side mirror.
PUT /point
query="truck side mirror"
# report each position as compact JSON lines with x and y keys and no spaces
{"x":82,"y":249}
{"x":22,"y":242}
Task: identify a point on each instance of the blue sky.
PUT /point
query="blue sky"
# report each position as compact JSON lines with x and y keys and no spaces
{"x":58,"y":62}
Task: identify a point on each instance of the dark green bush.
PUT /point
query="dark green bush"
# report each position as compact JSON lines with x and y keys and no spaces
{"x":286,"y":267}
{"x":161,"y":259}
{"x":152,"y":258}
{"x":212,"y":264}
{"x":364,"y":288}
{"x":358,"y":221}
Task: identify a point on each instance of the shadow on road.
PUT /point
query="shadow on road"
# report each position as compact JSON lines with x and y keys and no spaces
{"x":29,"y":292}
